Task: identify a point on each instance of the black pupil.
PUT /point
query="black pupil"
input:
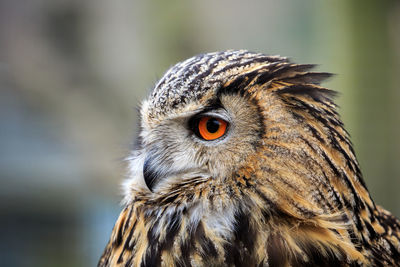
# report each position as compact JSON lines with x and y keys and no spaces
{"x":213,"y":125}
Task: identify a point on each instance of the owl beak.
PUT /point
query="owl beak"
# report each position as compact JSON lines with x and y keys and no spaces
{"x":150,"y":173}
{"x":156,"y":170}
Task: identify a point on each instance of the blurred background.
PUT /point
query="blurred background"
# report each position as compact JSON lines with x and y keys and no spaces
{"x":73,"y":72}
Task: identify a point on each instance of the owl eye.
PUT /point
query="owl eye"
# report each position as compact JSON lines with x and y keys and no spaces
{"x":211,"y":128}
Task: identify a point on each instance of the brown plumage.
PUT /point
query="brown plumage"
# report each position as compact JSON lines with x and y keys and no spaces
{"x":280,"y":187}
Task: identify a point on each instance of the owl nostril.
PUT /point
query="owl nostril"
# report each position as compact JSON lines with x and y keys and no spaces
{"x":149,"y":173}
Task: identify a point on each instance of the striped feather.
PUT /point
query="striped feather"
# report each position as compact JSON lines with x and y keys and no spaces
{"x":297,"y":198}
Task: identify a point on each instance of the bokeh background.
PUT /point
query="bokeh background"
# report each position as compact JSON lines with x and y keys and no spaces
{"x":73,"y":72}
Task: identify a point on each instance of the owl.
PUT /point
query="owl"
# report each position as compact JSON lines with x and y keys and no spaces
{"x":242,"y":160}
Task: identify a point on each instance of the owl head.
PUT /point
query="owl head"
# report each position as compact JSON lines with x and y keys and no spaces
{"x":242,"y":159}
{"x":220,"y":117}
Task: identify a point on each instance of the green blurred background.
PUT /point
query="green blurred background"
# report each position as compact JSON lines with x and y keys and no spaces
{"x":73,"y":72}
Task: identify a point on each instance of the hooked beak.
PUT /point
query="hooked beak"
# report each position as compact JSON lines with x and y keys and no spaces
{"x":150,"y":174}
{"x":154,"y":172}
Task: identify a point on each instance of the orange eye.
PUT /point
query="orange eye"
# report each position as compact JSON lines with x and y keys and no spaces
{"x":211,"y":128}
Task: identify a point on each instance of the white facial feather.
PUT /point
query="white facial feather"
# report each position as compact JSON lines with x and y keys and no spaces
{"x":135,"y":180}
{"x":221,"y":220}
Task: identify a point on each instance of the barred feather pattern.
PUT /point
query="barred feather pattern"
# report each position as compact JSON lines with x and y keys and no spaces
{"x":293,"y":195}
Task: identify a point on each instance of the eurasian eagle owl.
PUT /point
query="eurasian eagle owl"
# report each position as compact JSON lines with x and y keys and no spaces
{"x":242,"y":160}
